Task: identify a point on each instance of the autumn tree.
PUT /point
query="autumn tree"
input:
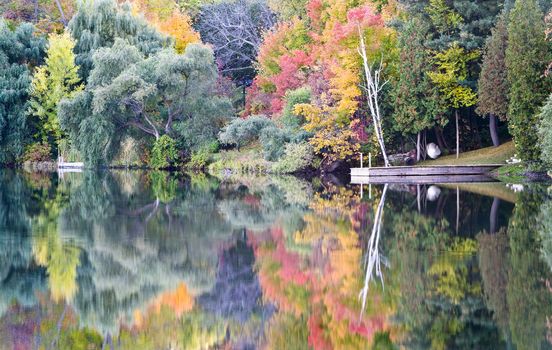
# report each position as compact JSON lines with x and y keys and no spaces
{"x":450,"y":76}
{"x":169,"y":19}
{"x":493,"y":81}
{"x":527,"y":56}
{"x":57,"y":79}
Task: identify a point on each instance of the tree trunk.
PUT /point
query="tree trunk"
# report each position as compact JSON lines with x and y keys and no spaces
{"x":418,"y":147}
{"x":62,"y":15}
{"x":494,"y":130}
{"x":457,"y":135}
{"x":493,"y":217}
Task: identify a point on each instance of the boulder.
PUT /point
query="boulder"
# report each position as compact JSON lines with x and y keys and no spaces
{"x":433,"y":151}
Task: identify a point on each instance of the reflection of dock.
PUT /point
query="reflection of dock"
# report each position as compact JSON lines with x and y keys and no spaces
{"x":62,"y":164}
{"x":421,"y":179}
{"x":414,"y":171}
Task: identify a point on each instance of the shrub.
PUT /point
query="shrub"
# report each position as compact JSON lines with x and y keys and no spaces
{"x":37,"y":152}
{"x":199,"y":159}
{"x":297,"y":156}
{"x":273,"y":140}
{"x":241,"y":131}
{"x":545,"y":132}
{"x":164,"y":153}
{"x":292,"y":98}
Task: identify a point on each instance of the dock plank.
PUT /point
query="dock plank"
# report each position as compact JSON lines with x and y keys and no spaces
{"x":420,"y":180}
{"x":425,"y":170}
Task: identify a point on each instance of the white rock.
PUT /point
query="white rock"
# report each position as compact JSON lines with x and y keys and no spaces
{"x":433,"y":151}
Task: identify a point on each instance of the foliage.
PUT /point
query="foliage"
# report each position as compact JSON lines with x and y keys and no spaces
{"x":292,"y":98}
{"x":545,"y":132}
{"x":243,"y":131}
{"x":98,"y":23}
{"x":55,"y":80}
{"x":163,"y":153}
{"x":20,"y":50}
{"x":37,"y":152}
{"x":418,"y":105}
{"x":166,"y":93}
{"x":493,"y":81}
{"x":526,"y":58}
{"x":332,"y":138}
{"x":297,"y":157}
{"x":451,"y":74}
{"x":169,"y":20}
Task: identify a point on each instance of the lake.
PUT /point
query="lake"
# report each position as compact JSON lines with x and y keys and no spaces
{"x":149,"y":260}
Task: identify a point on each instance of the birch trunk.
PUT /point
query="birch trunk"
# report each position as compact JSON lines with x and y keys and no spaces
{"x":373,"y":88}
{"x":493,"y":130}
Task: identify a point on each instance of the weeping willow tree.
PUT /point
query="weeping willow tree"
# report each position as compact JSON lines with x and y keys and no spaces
{"x":98,"y":23}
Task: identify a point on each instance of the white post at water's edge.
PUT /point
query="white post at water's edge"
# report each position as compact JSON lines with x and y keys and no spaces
{"x":361,"y":160}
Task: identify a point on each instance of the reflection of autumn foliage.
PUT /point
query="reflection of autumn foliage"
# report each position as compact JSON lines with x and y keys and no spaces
{"x":325,"y":283}
{"x":179,"y":301}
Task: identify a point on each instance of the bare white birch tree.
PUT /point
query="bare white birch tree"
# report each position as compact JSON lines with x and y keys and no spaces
{"x":373,"y":258}
{"x":373,"y":89}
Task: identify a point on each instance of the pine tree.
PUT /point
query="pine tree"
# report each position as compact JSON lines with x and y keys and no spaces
{"x":57,"y":79}
{"x":526,"y":58}
{"x":417,"y":102}
{"x":493,"y":80}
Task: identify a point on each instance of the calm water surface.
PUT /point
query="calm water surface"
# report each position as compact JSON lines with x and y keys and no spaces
{"x":135,"y":260}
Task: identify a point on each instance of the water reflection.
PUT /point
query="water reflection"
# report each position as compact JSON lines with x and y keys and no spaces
{"x":137,"y":260}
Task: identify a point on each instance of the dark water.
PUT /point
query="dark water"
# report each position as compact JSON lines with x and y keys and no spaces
{"x":130,"y":260}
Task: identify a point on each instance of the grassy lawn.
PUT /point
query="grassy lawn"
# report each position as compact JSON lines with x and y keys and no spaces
{"x":488,"y":155}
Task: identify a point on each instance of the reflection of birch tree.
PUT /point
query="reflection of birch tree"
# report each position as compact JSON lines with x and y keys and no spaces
{"x":374,"y":259}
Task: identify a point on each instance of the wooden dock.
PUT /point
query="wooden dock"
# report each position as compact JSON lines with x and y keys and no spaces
{"x":423,"y":174}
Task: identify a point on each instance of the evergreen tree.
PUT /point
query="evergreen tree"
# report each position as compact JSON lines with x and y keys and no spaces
{"x":19,"y":49}
{"x":52,"y":82}
{"x":493,"y":80}
{"x":526,"y":58}
{"x":417,"y":102}
{"x":545,"y":132}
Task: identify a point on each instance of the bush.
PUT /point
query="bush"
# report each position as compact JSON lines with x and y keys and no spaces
{"x":241,"y":132}
{"x":164,"y":153}
{"x":273,"y":140}
{"x":37,"y":152}
{"x":545,"y":132}
{"x":297,"y":156}
{"x":292,"y":98}
{"x":199,"y":159}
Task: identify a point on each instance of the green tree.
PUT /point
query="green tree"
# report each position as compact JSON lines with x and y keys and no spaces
{"x":450,"y":76}
{"x":57,"y":79}
{"x":129,"y":94}
{"x":417,"y":103}
{"x":19,"y":51}
{"x":545,"y":132}
{"x":493,"y":80}
{"x":526,"y":58}
{"x":98,"y":23}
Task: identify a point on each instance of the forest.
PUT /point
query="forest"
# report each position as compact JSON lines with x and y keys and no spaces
{"x":309,"y":84}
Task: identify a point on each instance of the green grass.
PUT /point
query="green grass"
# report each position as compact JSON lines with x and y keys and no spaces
{"x":488,"y":155}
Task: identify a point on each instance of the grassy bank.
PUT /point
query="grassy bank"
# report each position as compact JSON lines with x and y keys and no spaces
{"x":487,"y":155}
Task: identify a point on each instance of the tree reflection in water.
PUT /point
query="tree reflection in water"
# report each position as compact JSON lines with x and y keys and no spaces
{"x":137,"y":260}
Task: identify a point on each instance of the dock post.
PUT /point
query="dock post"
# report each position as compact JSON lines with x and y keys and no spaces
{"x":361,"y":160}
{"x":369,"y":160}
